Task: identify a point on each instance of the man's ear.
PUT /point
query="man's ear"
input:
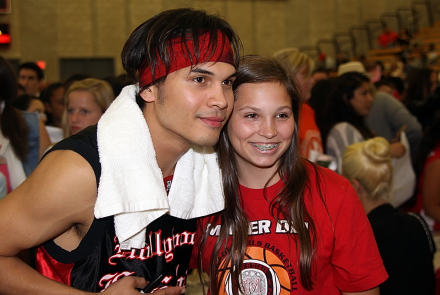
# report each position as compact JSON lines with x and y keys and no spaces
{"x":150,"y":94}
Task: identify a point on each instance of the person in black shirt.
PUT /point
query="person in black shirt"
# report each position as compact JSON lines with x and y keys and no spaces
{"x":404,"y":241}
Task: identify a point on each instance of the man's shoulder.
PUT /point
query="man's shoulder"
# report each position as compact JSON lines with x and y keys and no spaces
{"x":85,"y":144}
{"x":86,"y":137}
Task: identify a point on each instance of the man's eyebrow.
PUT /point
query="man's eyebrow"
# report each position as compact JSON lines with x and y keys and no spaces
{"x":206,"y":72}
{"x":233,"y":75}
{"x":201,"y":71}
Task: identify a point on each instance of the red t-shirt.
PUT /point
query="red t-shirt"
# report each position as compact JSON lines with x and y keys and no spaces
{"x":347,"y":255}
{"x":386,"y":39}
{"x":309,"y":134}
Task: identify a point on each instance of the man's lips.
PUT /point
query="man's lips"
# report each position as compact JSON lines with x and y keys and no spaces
{"x":213,"y":121}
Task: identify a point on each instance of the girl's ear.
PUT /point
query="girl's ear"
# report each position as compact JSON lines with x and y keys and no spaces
{"x":150,"y":94}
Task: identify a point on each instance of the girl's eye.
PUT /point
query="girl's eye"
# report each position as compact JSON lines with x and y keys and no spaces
{"x":70,"y":111}
{"x":283,"y":115}
{"x":85,"y":112}
{"x":252,"y":116}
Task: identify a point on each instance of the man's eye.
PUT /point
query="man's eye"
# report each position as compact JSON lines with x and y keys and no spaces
{"x":199,"y":79}
{"x":228,"y":82}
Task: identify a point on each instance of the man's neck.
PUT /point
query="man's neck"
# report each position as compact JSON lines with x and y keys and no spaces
{"x":169,"y":149}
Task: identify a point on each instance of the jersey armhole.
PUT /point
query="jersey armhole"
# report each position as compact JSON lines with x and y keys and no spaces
{"x":87,"y":244}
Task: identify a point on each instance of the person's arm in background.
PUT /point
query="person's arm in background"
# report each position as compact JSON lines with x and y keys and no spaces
{"x":398,"y":116}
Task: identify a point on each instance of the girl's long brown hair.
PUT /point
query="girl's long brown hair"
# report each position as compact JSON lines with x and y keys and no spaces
{"x":288,"y":205}
{"x":12,"y":123}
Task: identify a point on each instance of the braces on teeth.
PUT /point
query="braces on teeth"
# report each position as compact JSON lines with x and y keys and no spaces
{"x":263,"y":147}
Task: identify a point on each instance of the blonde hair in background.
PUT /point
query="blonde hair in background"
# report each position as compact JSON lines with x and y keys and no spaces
{"x":295,"y":60}
{"x":369,"y":162}
{"x":102,"y":93}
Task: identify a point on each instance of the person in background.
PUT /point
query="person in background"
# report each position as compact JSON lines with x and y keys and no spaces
{"x":30,"y":104}
{"x":118,"y":83}
{"x":14,"y":131}
{"x":53,"y":99}
{"x":22,"y":135}
{"x":320,"y":74}
{"x":422,"y":97}
{"x":319,"y":101}
{"x":385,"y":86}
{"x":288,"y":224}
{"x":20,"y":90}
{"x":427,"y":166}
{"x":349,"y":104}
{"x":405,"y":244}
{"x":388,"y":38}
{"x":302,"y":67}
{"x":399,"y":86}
{"x":30,"y":76}
{"x":431,"y":55}
{"x":86,"y":101}
{"x":388,"y":117}
{"x":404,"y":37}
{"x":74,"y":78}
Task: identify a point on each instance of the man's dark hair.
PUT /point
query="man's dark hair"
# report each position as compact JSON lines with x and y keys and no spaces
{"x":32,"y":66}
{"x":151,"y":39}
{"x":74,"y":78}
{"x":47,"y":92}
{"x":384,"y":82}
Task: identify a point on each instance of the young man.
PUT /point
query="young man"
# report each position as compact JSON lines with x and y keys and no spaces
{"x":30,"y":76}
{"x":115,"y":239}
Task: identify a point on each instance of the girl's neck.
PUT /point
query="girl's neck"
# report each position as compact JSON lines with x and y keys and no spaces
{"x":257,"y":178}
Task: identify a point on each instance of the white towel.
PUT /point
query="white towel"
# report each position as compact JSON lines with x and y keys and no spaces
{"x":131,"y":186}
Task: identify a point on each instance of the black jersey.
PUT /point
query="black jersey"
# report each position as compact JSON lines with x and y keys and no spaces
{"x":98,"y":261}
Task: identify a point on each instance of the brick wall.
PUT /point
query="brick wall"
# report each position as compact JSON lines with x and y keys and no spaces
{"x":52,"y":29}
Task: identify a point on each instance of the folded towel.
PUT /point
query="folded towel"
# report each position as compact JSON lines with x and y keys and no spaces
{"x":131,"y":186}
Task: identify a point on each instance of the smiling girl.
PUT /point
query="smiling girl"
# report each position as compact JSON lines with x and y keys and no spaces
{"x":289,"y":227}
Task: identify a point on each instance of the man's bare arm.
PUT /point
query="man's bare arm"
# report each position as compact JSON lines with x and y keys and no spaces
{"x":60,"y":193}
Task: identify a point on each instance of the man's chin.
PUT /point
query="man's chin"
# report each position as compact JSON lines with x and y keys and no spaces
{"x":207,"y":141}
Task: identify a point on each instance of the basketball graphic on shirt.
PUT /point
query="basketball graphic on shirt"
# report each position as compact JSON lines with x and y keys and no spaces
{"x":263,"y":274}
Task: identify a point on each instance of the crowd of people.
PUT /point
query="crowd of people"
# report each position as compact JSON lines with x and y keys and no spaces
{"x":264,"y":172}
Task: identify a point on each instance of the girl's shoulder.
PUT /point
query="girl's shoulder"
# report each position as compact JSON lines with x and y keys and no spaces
{"x":325,"y":179}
